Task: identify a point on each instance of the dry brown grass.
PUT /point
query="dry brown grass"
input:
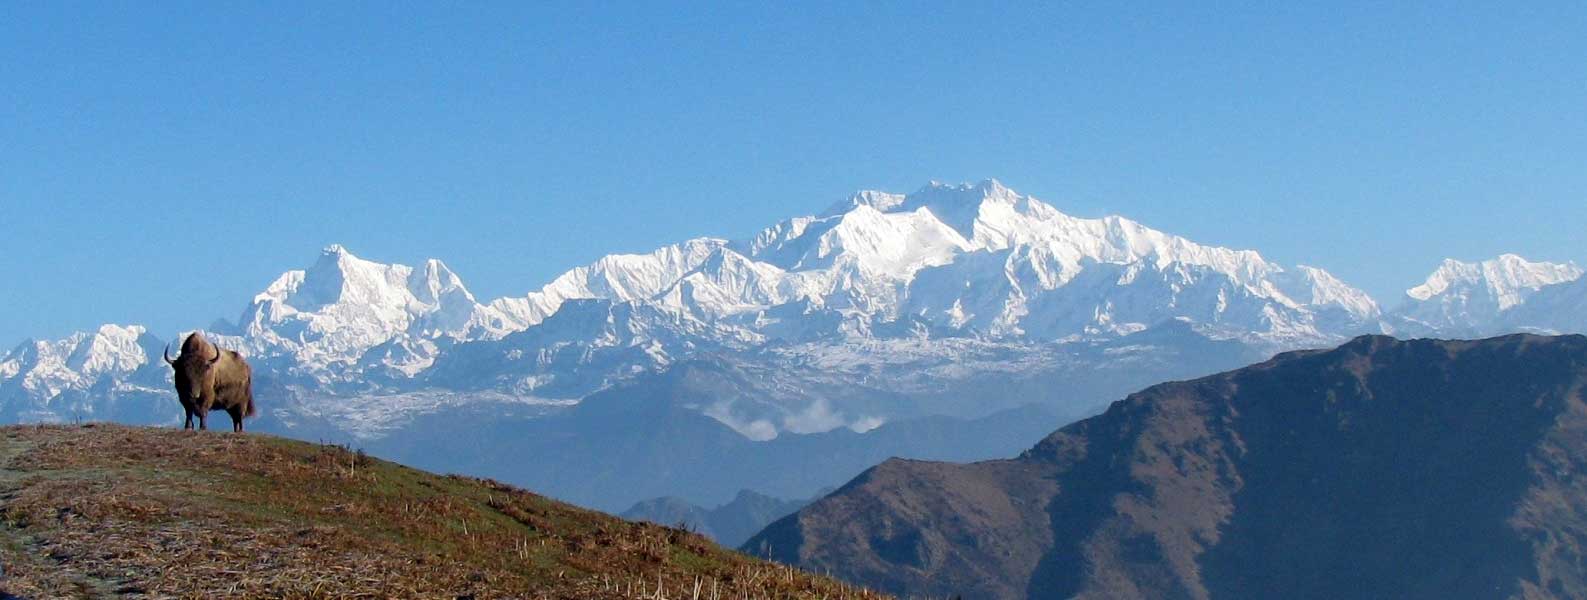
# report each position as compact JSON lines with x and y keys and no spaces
{"x":104,"y":510}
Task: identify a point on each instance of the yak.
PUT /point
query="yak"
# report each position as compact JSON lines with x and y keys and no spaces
{"x":208,"y":376}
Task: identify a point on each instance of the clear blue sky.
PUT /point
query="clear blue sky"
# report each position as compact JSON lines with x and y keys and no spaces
{"x":160,"y":163}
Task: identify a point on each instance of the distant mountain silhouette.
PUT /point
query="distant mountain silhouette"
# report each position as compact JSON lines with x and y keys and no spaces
{"x":729,"y":524}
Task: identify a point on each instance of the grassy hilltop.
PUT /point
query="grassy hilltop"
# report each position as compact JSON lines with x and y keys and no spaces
{"x":114,"y":511}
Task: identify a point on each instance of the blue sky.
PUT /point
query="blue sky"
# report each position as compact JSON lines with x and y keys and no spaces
{"x":160,"y":163}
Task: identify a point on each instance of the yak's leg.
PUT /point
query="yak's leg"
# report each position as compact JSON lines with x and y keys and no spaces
{"x":236,"y":418}
{"x":203,"y":420}
{"x":189,"y":424}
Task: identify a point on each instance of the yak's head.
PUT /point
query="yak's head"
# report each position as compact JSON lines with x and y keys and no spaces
{"x":193,"y":366}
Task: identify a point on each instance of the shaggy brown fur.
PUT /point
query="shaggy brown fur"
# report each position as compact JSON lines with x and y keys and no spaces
{"x":208,"y":376}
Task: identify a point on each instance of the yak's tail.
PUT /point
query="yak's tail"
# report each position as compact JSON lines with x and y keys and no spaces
{"x":247,"y":388}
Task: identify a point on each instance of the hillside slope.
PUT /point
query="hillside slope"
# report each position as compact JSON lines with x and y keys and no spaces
{"x":1380,"y":469}
{"x":108,"y":510}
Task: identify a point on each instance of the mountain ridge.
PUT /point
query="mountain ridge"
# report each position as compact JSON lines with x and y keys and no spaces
{"x":107,"y":510}
{"x":1422,"y":468}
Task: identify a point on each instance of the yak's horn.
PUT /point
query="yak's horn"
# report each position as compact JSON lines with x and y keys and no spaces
{"x":167,"y":354}
{"x":217,"y":355}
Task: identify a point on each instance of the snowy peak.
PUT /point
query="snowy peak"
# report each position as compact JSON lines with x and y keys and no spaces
{"x":894,"y":244}
{"x":990,"y":216}
{"x":961,"y":206}
{"x":957,"y":206}
{"x":1466,"y":298}
{"x":1316,"y":287}
{"x":435,"y":282}
{"x":343,"y":306}
{"x":43,"y":369}
{"x":617,"y":277}
{"x":879,"y":201}
{"x":1506,"y":279}
{"x":629,"y":277}
{"x":110,"y":349}
{"x":728,"y":282}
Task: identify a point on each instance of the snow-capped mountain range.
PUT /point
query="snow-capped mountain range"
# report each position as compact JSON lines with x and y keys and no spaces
{"x":328,"y":320}
{"x":906,"y":292}
{"x":1507,"y":293}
